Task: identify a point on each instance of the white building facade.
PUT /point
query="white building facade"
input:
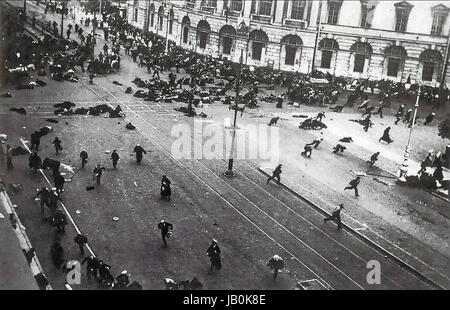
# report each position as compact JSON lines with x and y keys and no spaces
{"x":351,"y":38}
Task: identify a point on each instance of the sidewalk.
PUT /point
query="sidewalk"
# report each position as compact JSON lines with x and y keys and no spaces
{"x":14,"y":269}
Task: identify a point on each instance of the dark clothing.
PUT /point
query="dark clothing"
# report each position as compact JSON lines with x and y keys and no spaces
{"x":98,"y":173}
{"x":139,"y":151}
{"x":214,"y":255}
{"x":353,"y":185}
{"x":335,"y":216}
{"x":57,"y":253}
{"x":35,"y":162}
{"x":57,"y":144}
{"x":59,"y":182}
{"x":165,"y":228}
{"x":386,"y":136}
{"x":84,"y":157}
{"x":275,"y":175}
{"x":91,"y":266}
{"x":81,"y":241}
{"x":115,"y":158}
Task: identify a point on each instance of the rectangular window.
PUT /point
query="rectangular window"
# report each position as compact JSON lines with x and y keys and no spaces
{"x":265,"y":7}
{"x":227,"y":43}
{"x":393,"y":67}
{"x":135,"y":15}
{"x":359,"y":63}
{"x":190,"y":3}
{"x":236,"y":5}
{"x":298,"y":9}
{"x":210,"y":3}
{"x":333,"y":12}
{"x":438,"y":22}
{"x":160,"y":22}
{"x":203,"y":37}
{"x":427,"y":72}
{"x":364,"y":11}
{"x":257,"y":48}
{"x":290,"y":55}
{"x":326,"y":59}
{"x":170,"y":26}
{"x":185,"y":34}
{"x":401,"y":20}
{"x":152,"y":20}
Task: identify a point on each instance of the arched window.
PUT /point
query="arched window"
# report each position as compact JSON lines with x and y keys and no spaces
{"x":203,"y":30}
{"x":291,"y":44}
{"x":431,"y":60}
{"x":395,"y":56}
{"x":259,"y":40}
{"x":227,"y":35}
{"x":185,"y":24}
{"x":328,"y":47}
{"x":151,"y":15}
{"x":362,"y":52}
{"x":171,"y":18}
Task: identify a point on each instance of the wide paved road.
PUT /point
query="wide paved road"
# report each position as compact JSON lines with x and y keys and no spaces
{"x":252,"y":220}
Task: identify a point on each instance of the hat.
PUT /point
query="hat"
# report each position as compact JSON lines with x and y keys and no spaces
{"x":214,"y":240}
{"x":124,"y":272}
{"x":162,"y":221}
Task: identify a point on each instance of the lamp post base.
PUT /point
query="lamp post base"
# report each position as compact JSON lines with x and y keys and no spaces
{"x":230,"y":173}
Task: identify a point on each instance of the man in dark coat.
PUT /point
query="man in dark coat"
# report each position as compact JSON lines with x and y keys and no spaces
{"x":84,"y":157}
{"x":373,"y":159}
{"x":115,"y":158}
{"x":57,"y":253}
{"x":58,"y":179}
{"x":122,"y":280}
{"x":275,"y":175}
{"x":57,"y":144}
{"x":98,"y":171}
{"x":166,"y":231}
{"x":59,"y":220}
{"x":44,"y":196}
{"x":335,"y":216}
{"x":139,"y":151}
{"x":354,"y":185}
{"x":91,"y":266}
{"x":34,"y":161}
{"x":81,"y":240}
{"x":214,"y":255}
{"x":429,"y":118}
{"x":35,"y":140}
{"x":385,"y":136}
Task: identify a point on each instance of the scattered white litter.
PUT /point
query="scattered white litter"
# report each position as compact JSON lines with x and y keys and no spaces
{"x":115,"y":218}
{"x":15,"y":206}
{"x":67,"y":167}
{"x":75,"y":125}
{"x":135,"y":184}
{"x":36,"y":199}
{"x":107,"y":151}
{"x":24,"y":127}
{"x":78,"y":212}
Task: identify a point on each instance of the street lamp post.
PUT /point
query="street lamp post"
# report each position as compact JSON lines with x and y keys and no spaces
{"x":229,"y":172}
{"x":405,"y":164}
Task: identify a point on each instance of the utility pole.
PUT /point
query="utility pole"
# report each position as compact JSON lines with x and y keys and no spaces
{"x":405,"y":164}
{"x":317,"y":36}
{"x":63,"y":6}
{"x":25,"y":7}
{"x":230,"y":173}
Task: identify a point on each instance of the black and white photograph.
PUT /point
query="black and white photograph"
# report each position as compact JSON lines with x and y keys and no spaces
{"x":230,"y":148}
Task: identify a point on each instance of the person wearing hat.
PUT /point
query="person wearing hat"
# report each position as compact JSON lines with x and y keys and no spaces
{"x":214,"y":255}
{"x":44,"y":193}
{"x":427,"y":162}
{"x":320,"y":116}
{"x":139,"y":150}
{"x":115,"y":158}
{"x":275,"y":175}
{"x":166,"y":231}
{"x":59,"y":180}
{"x":57,"y":144}
{"x":122,"y":280}
{"x":84,"y":157}
{"x":60,"y":220}
{"x":81,"y":240}
{"x":354,"y":185}
{"x":91,"y":266}
{"x":98,"y":172}
{"x":429,"y":118}
{"x":336,"y":215}
{"x":373,"y":159}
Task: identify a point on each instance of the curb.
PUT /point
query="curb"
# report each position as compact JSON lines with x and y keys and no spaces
{"x":363,"y":238}
{"x":25,"y":244}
